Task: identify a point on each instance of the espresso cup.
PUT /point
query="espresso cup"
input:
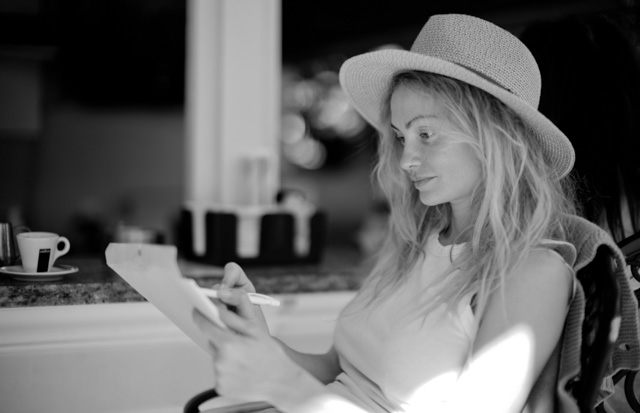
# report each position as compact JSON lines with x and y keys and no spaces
{"x":39,"y":250}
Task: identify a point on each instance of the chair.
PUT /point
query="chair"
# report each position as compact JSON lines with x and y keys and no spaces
{"x":193,"y":405}
{"x":630,"y":248}
{"x":600,"y":326}
{"x":599,"y":334}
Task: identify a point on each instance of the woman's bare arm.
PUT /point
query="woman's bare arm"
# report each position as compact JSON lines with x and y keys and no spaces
{"x":517,"y":335}
{"x":324,"y":367}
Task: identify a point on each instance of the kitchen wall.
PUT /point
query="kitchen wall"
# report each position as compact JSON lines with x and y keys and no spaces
{"x":84,"y":170}
{"x":92,"y":168}
{"x":108,"y":166}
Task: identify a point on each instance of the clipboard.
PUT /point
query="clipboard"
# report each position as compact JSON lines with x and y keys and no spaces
{"x":153,"y":271}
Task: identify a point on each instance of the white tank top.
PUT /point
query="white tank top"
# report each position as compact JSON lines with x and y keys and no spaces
{"x":393,"y":357}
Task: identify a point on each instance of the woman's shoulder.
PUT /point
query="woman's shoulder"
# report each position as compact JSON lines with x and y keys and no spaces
{"x":565,"y":250}
{"x":548,"y":260}
{"x":543,"y":270}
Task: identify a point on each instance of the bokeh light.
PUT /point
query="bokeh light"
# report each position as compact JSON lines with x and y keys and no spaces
{"x":316,"y":112}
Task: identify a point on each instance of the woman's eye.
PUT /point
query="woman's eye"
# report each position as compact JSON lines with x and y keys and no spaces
{"x":426,"y":135}
{"x":400,"y":139}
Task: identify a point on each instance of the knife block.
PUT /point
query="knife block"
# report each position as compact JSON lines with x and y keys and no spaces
{"x":276,"y":232}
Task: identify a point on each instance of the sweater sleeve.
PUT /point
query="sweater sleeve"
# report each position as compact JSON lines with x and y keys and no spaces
{"x":587,"y":237}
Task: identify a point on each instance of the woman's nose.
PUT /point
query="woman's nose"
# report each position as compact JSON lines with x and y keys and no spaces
{"x":410,"y":158}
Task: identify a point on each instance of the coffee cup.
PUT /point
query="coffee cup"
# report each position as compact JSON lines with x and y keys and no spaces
{"x":39,"y":250}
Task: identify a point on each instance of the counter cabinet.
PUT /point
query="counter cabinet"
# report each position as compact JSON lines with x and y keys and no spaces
{"x":90,"y":342}
{"x":128,"y":357}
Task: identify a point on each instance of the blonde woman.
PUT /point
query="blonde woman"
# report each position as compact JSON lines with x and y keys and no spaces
{"x":467,"y":303}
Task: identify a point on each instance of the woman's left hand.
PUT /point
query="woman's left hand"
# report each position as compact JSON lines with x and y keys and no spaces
{"x":248,"y":362}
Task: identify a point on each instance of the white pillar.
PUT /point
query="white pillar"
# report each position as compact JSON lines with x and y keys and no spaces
{"x":233,"y":71}
{"x":232,"y":103}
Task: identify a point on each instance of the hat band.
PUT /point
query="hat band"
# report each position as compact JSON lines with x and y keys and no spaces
{"x":488,"y":79}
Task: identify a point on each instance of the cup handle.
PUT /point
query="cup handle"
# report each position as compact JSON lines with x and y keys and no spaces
{"x":67,"y":246}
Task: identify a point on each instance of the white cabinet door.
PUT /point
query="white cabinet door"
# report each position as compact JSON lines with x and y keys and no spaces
{"x":117,"y":358}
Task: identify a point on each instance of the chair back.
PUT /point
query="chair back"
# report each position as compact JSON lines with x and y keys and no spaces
{"x":630,"y":248}
{"x":193,"y":405}
{"x":600,"y":327}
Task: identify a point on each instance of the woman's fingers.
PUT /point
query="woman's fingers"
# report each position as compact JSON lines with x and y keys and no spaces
{"x":234,"y":277}
{"x":240,"y":323}
{"x":238,"y":299}
{"x":242,"y":320}
{"x":216,"y":333}
{"x":241,"y":306}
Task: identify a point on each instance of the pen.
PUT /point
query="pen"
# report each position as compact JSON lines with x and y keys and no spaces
{"x":255,"y":298}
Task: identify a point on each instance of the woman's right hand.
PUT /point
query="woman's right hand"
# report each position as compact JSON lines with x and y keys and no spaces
{"x":236,"y":283}
{"x":325,"y":367}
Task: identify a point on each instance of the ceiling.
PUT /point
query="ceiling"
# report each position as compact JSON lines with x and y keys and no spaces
{"x":136,"y":48}
{"x":308,"y":26}
{"x":354,"y":26}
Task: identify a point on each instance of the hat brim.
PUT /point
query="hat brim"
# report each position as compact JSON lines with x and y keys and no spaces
{"x":366,"y":78}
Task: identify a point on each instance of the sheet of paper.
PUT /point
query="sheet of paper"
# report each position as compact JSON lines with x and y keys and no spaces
{"x":153,"y":271}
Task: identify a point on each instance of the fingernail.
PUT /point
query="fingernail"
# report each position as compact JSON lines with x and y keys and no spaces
{"x":224,"y":293}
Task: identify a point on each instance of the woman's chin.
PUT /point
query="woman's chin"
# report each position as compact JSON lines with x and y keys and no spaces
{"x":429,"y":200}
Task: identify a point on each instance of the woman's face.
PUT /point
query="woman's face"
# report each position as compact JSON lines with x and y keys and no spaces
{"x":442,"y":167}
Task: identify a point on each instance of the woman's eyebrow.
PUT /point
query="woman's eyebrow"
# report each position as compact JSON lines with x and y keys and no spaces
{"x":419,"y":117}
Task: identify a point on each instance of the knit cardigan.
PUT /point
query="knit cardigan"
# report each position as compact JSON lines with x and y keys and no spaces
{"x":564,"y":365}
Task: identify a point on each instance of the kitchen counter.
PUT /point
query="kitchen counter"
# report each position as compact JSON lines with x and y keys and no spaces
{"x":96,"y":283}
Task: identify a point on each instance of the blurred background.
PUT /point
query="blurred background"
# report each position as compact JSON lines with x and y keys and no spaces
{"x":92,"y":121}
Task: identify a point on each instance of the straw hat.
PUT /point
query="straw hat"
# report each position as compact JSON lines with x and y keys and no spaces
{"x":471,"y":50}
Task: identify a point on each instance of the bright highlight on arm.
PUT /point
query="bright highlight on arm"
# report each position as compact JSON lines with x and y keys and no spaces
{"x":498,"y":379}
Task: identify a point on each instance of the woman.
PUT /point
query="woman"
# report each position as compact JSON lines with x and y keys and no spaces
{"x":467,"y":302}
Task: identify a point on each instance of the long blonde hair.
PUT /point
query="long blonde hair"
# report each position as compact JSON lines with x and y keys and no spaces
{"x":519,"y":202}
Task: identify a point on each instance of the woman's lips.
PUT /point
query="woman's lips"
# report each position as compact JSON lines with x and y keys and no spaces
{"x":420,"y":183}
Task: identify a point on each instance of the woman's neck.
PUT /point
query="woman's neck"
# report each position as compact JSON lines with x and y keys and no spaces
{"x":450,"y":236}
{"x":455,"y":233}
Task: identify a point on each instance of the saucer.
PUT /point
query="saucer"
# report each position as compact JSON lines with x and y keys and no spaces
{"x":17,"y":272}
